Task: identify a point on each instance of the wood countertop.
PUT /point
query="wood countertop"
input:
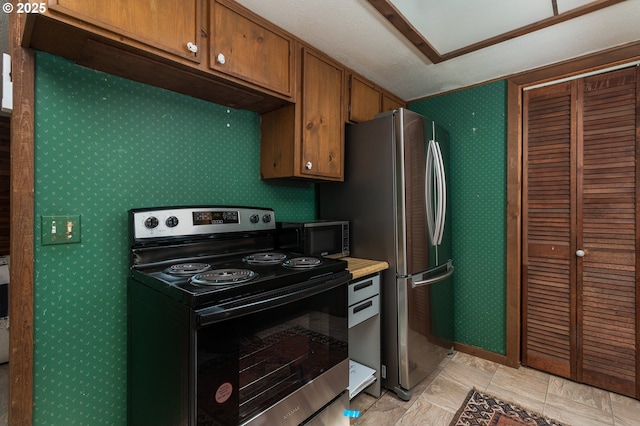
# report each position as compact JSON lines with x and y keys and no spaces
{"x":362,"y":267}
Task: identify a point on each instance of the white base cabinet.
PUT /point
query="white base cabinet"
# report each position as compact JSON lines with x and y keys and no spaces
{"x":364,"y":336}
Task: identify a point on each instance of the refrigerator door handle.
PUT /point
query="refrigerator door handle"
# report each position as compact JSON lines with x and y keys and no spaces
{"x":442,"y":195}
{"x":428,"y":190}
{"x":448,"y":272}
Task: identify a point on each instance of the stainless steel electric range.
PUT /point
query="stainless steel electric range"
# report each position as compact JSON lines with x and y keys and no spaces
{"x":225,"y":329}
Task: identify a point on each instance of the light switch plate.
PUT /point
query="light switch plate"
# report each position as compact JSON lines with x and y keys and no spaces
{"x":61,"y":229}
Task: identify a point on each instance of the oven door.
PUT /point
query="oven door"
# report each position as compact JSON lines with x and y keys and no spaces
{"x":273,"y":359}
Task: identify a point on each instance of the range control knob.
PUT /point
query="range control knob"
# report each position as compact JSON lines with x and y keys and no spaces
{"x":171,"y":222}
{"x":266,"y":218}
{"x":151,"y":222}
{"x":254,"y":218}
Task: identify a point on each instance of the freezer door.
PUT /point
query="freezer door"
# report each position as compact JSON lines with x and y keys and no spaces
{"x":425,"y":329}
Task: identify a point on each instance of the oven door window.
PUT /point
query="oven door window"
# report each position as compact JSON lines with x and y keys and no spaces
{"x":247,"y":364}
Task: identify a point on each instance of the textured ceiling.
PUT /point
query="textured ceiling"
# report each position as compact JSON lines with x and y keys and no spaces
{"x":504,"y":37}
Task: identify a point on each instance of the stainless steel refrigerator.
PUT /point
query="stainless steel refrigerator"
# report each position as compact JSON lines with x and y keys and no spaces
{"x":395,"y":197}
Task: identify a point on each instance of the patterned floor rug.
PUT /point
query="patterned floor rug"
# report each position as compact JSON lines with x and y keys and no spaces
{"x":480,"y":409}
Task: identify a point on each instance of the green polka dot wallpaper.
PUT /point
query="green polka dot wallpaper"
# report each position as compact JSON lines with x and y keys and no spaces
{"x":104,"y":145}
{"x":476,"y":121}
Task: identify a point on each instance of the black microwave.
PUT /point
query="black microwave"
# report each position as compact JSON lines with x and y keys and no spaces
{"x":315,"y":238}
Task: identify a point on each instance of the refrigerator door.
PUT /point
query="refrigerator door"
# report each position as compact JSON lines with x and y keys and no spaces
{"x":413,"y":249}
{"x":421,"y":194}
{"x":424,"y":285}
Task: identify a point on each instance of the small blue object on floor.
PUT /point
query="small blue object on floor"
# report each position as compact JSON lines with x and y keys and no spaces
{"x":352,"y":413}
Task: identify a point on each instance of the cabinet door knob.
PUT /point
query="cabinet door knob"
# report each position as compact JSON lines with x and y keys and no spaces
{"x":580,"y":253}
{"x":192,"y":47}
{"x":221,"y":59}
{"x":309,"y":165}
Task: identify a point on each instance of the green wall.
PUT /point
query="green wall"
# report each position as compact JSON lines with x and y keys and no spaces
{"x":104,"y":145}
{"x":476,"y":121}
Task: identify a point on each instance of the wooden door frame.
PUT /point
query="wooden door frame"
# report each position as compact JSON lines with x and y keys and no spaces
{"x":21,"y":313}
{"x":515,"y":85}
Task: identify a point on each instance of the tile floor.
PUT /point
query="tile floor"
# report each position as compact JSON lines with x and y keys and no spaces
{"x":438,"y":397}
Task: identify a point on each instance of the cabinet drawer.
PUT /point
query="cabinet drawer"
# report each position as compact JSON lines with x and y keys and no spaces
{"x":363,"y":310}
{"x":363,"y":289}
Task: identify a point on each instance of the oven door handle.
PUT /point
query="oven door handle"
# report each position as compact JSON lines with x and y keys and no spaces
{"x":269,"y":300}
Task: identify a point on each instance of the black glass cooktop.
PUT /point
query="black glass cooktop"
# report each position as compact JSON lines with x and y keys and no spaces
{"x":191,"y":285}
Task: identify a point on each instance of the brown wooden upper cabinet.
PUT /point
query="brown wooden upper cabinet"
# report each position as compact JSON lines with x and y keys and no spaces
{"x":322,"y":120}
{"x":306,"y":140}
{"x":170,"y":25}
{"x":366,"y":100}
{"x":391,"y":102}
{"x":247,"y":47}
{"x":214,"y":50}
{"x":221,"y":52}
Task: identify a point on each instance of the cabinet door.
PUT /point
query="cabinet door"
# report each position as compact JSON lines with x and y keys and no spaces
{"x":169,"y":25}
{"x":364,"y":100}
{"x":250,"y":49}
{"x":322,"y":149}
{"x":390,"y":102}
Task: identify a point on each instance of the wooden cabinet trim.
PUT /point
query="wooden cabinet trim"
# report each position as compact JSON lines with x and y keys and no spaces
{"x":22,"y":217}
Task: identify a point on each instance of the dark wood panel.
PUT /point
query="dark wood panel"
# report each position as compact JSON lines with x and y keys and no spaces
{"x":607,"y":200}
{"x":513,"y":227}
{"x":548,"y":312}
{"x":20,"y":404}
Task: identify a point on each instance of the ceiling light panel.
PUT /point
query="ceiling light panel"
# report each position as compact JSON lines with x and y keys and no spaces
{"x":454,"y":24}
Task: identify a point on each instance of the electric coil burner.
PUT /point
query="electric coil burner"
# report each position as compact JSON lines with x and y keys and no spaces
{"x":223,"y":277}
{"x":265,"y":258}
{"x":224,"y":329}
{"x":187,"y":269}
{"x":302,"y":262}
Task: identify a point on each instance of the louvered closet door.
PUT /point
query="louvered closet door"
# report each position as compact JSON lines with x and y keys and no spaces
{"x":580,"y":234}
{"x":607,"y":213}
{"x":548,"y":270}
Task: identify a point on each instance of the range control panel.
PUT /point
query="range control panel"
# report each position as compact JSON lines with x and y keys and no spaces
{"x":185,"y":221}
